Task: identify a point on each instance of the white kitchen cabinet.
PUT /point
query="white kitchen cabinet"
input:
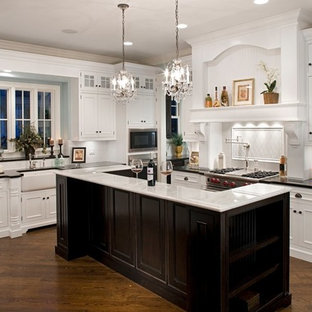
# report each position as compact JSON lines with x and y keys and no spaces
{"x":98,"y":116}
{"x":141,"y":112}
{"x":192,"y":180}
{"x":301,"y":223}
{"x":4,"y":204}
{"x":93,"y":81}
{"x":144,"y":84}
{"x":38,"y":208}
{"x":310,"y":59}
{"x":310,"y":107}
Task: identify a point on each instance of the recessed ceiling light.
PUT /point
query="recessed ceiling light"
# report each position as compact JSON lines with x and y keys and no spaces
{"x":69,"y":31}
{"x":261,"y":1}
{"x":7,"y":70}
{"x":182,"y":26}
{"x":128,"y":43}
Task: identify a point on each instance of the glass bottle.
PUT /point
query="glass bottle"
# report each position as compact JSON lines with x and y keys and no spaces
{"x":208,"y":101}
{"x":224,"y":97}
{"x":283,"y":168}
{"x":216,"y":102}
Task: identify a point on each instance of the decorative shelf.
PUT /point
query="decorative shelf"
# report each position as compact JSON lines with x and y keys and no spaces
{"x":260,"y":112}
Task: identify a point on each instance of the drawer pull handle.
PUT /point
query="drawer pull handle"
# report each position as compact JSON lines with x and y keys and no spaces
{"x":298,"y":195}
{"x":185,"y":178}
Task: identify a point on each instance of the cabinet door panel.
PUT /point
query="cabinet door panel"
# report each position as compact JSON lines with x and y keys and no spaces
{"x":307,"y":227}
{"x":99,"y":223}
{"x":62,"y":212}
{"x":3,"y":209}
{"x":178,"y":227}
{"x":89,"y":115}
{"x":33,"y":207}
{"x":51,"y":204}
{"x":150,"y":236}
{"x":106,"y":116}
{"x":122,"y":226}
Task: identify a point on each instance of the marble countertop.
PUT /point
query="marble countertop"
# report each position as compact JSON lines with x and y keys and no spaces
{"x":289,"y":181}
{"x":216,"y":201}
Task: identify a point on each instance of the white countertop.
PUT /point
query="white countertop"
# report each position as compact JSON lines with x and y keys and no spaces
{"x":216,"y":201}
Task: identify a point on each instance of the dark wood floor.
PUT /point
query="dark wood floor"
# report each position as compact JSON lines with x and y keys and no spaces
{"x":33,"y":278}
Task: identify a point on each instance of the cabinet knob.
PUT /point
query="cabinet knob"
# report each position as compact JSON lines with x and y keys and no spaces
{"x":47,"y":197}
{"x":310,"y":132}
{"x":43,"y":198}
{"x":298,"y":195}
{"x":310,"y":64}
{"x":295,"y":211}
{"x":100,"y":131}
{"x":96,"y":131}
{"x":300,"y":212}
{"x":185,"y":178}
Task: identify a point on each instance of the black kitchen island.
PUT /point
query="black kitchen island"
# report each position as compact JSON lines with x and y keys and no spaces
{"x":226,"y":259}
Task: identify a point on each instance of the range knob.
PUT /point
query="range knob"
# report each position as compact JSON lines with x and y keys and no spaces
{"x":217,"y":181}
{"x":212,"y":180}
{"x":226,"y":183}
{"x":246,"y":183}
{"x":232,"y":184}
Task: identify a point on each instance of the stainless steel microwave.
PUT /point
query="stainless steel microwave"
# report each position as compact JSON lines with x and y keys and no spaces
{"x":141,"y":140}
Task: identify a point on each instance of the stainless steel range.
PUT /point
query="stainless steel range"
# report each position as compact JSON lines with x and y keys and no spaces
{"x":223,"y":179}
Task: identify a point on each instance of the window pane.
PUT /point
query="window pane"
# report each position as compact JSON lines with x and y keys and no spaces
{"x":47,"y":131}
{"x":3,"y":134}
{"x":3,"y":104}
{"x":18,"y":129}
{"x":41,"y":128}
{"x":40,"y":106}
{"x":174,"y":126}
{"x":27,"y":123}
{"x":48,"y":105}
{"x":18,"y":105}
{"x":27,"y":104}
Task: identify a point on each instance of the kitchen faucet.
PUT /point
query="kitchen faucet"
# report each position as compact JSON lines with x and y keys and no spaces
{"x":246,"y":145}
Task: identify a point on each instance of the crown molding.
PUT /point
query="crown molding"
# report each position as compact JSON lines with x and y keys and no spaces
{"x":50,"y":51}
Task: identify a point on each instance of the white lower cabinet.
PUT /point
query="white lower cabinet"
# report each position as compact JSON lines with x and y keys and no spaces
{"x":38,"y":208}
{"x":301,"y":223}
{"x":3,"y":207}
{"x":182,"y":178}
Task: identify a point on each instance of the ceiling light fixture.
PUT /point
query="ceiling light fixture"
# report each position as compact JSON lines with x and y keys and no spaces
{"x":122,"y":84}
{"x":182,"y":26}
{"x":177,"y":82}
{"x":261,"y":1}
{"x":128,"y":43}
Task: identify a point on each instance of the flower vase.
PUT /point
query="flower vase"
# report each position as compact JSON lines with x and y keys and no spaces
{"x":178,"y":151}
{"x":270,"y":98}
{"x":29,"y":150}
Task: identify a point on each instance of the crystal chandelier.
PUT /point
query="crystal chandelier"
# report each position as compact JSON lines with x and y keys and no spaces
{"x":177,"y":82}
{"x":122,"y":84}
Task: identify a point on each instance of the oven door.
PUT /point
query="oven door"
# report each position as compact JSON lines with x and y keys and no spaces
{"x":142,"y":140}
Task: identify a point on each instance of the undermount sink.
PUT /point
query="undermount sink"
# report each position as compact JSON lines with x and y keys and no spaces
{"x":38,"y":180}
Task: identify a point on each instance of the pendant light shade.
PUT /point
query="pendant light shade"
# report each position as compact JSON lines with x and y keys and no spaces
{"x":122,"y":84}
{"x":177,"y":82}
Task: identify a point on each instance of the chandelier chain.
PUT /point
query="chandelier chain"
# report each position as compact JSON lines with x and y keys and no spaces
{"x":123,"y":39}
{"x":177,"y":29}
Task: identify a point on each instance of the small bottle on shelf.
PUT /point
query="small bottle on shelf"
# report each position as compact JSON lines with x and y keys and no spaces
{"x":216,"y":102}
{"x":151,"y":172}
{"x":224,"y":97}
{"x":208,"y":101}
{"x":283,"y":165}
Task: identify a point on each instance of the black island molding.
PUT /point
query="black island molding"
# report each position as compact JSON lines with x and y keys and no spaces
{"x":198,"y":258}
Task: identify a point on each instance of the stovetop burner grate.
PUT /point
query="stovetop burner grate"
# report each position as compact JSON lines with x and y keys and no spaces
{"x":225,"y":170}
{"x":260,"y":174}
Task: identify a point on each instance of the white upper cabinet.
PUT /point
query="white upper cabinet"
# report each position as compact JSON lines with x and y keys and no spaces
{"x":93,"y":81}
{"x":141,"y":112}
{"x":144,"y":84}
{"x":310,"y":59}
{"x":98,"y":116}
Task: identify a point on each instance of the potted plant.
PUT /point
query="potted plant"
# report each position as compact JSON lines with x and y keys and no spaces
{"x":269,"y":96}
{"x":28,"y":141}
{"x":177,"y":140}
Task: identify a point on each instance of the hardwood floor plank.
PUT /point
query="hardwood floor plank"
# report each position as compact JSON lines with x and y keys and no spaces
{"x":34,"y":279}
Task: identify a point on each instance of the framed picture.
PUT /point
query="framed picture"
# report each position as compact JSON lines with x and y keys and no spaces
{"x":78,"y":155}
{"x":243,"y":92}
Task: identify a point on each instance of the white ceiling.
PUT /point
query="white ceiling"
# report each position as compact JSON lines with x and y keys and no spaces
{"x":149,"y":23}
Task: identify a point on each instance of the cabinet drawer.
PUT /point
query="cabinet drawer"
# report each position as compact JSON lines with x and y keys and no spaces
{"x":301,"y":195}
{"x":186,"y":179}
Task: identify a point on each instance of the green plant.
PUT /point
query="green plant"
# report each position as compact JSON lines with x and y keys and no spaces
{"x":272,"y":74}
{"x":177,"y":139}
{"x":29,"y":140}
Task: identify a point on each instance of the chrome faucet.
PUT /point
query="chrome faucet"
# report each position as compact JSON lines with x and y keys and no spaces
{"x":246,"y":145}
